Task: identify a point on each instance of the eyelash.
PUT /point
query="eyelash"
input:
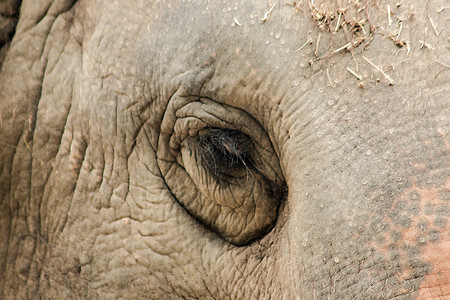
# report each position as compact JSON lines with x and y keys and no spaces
{"x":223,"y":150}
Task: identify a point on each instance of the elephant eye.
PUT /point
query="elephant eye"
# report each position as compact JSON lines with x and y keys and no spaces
{"x":220,"y":165}
{"x":226,"y":152}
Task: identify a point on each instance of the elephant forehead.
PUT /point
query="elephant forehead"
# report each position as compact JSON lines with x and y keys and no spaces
{"x":312,"y":86}
{"x":265,"y":57}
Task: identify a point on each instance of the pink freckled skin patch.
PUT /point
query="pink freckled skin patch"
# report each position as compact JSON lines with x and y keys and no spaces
{"x":436,"y":284}
{"x":427,"y":231}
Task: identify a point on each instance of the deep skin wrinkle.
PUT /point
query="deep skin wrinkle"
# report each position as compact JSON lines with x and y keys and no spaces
{"x":87,"y":212}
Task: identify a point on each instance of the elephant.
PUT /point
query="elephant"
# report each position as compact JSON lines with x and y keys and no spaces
{"x":239,"y":149}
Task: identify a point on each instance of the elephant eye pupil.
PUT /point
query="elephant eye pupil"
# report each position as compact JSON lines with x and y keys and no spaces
{"x":225,"y":151}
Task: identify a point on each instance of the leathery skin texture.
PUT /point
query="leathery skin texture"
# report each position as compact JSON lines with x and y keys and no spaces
{"x":224,"y":150}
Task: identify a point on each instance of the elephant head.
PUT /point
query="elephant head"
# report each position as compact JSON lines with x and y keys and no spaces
{"x":224,"y":149}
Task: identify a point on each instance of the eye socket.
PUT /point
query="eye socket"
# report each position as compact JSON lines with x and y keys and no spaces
{"x":226,"y":153}
{"x":220,"y":165}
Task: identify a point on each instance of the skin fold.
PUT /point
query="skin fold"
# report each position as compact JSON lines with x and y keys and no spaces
{"x":224,"y":150}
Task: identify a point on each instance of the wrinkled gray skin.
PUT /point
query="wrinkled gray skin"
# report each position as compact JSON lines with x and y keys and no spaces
{"x":107,"y":188}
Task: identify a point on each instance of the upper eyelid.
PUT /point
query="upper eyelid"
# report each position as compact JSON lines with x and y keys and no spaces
{"x":235,"y":139}
{"x":189,"y":115}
